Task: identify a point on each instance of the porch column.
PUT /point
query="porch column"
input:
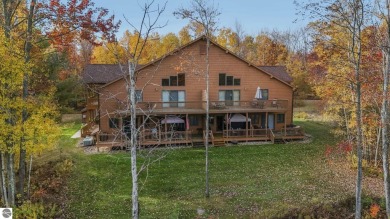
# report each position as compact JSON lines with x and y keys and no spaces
{"x":187,"y":126}
{"x":227,"y":124}
{"x":246,"y":127}
{"x":122,"y":128}
{"x":165,"y":132}
{"x":143,"y":128}
{"x":159,"y":134}
{"x":266,"y":123}
{"x":285,"y":125}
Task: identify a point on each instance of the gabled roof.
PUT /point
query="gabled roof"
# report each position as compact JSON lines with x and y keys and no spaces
{"x":277,"y":72}
{"x":103,"y":73}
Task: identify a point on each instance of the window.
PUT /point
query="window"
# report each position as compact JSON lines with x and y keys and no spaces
{"x":113,"y":123}
{"x":176,"y":80}
{"x":227,"y":80}
{"x":280,"y":118}
{"x":222,"y":79}
{"x":194,"y":120}
{"x":264,"y":94}
{"x":173,"y":98}
{"x":231,"y":97}
{"x":138,"y":96}
{"x":165,"y":82}
{"x":173,"y":81}
{"x":181,"y":79}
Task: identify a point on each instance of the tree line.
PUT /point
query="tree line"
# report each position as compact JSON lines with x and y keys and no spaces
{"x":341,"y":57}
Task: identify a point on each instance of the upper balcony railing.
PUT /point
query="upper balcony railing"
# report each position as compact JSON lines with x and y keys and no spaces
{"x":92,"y":103}
{"x":265,"y":105}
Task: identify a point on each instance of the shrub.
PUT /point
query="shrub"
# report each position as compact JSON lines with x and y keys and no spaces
{"x":301,"y":115}
{"x":36,"y":210}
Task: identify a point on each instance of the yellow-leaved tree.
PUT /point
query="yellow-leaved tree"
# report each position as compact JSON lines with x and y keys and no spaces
{"x":33,"y":135}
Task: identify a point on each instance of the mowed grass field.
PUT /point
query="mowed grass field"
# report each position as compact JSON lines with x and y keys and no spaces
{"x":254,"y":181}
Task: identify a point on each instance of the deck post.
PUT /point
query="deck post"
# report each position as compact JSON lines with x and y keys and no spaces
{"x":165,"y":132}
{"x":143,"y":128}
{"x":266,"y":122}
{"x":187,"y":125}
{"x":246,"y":127}
{"x":285,"y":126}
{"x":159,"y":134}
{"x":227,"y":125}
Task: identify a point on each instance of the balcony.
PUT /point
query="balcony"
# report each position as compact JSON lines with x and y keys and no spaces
{"x":92,"y":103}
{"x":214,"y":106}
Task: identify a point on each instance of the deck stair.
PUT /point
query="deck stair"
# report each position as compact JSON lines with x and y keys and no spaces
{"x":218,"y":142}
{"x":197,"y":144}
{"x":279,"y":140}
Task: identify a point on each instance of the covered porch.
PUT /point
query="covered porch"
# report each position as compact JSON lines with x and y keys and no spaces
{"x":189,"y":129}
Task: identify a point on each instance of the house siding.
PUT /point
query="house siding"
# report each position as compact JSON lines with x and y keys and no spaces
{"x":189,"y":61}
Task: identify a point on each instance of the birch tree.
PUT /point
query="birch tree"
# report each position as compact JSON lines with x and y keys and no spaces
{"x":133,"y":54}
{"x":350,"y":16}
{"x":205,"y":15}
{"x":383,"y":8}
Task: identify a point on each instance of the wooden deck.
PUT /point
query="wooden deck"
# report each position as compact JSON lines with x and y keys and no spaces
{"x":187,"y":138}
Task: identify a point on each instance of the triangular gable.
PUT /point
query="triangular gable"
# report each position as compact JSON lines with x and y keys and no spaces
{"x":203,"y":37}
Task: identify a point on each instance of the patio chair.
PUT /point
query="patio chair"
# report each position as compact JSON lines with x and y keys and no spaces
{"x":221,"y":106}
{"x":275,"y":104}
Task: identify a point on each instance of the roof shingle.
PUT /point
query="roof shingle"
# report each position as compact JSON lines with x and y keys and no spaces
{"x":101,"y":73}
{"x":279,"y":72}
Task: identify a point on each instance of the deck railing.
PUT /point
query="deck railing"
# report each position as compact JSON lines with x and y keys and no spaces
{"x":86,"y":129}
{"x":149,"y":135}
{"x":215,"y":105}
{"x":92,"y":103}
{"x":243,"y":133}
{"x":210,"y":137}
{"x":272,"y":136}
{"x":293,"y":131}
{"x":105,"y":137}
{"x":253,"y":104}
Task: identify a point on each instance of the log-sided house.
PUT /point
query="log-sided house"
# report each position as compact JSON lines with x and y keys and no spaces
{"x":246,"y":102}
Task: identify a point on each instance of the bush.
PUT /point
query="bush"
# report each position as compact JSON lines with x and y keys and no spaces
{"x":36,"y":210}
{"x":301,"y":115}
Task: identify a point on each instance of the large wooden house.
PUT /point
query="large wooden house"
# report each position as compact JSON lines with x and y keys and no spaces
{"x":246,"y":102}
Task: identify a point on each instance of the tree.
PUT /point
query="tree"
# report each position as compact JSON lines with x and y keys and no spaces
{"x":25,"y":26}
{"x":349,"y":16}
{"x":184,"y":36}
{"x":203,"y":15}
{"x":384,"y":15}
{"x":134,"y":48}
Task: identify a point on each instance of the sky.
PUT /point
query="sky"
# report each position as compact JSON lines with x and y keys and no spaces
{"x":253,"y":15}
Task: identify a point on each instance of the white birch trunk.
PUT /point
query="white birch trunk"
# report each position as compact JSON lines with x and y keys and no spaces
{"x":384,"y":114}
{"x":356,"y":51}
{"x":133,"y":141}
{"x":11,"y":179}
{"x":4,"y":181}
{"x":207,"y":192}
{"x":385,"y":143}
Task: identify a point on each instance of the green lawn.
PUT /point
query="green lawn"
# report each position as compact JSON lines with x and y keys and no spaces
{"x":245,"y":181}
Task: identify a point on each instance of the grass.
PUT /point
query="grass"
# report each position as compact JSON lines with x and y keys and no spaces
{"x":245,"y":181}
{"x":66,"y":145}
